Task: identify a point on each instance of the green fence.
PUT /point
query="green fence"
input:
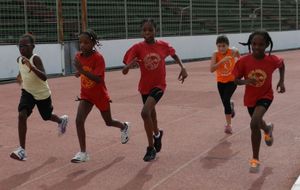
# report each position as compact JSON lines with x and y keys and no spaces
{"x":120,"y":19}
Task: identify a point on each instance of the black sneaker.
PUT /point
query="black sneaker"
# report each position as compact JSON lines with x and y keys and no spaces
{"x":157,"y":141}
{"x":150,"y":154}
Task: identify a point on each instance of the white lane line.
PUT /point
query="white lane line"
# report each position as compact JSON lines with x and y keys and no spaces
{"x":108,"y":147}
{"x":209,"y":149}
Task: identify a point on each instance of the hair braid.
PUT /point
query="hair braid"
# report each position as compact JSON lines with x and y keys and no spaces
{"x":264,"y":34}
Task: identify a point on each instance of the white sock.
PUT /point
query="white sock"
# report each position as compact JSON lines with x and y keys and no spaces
{"x":158,"y":135}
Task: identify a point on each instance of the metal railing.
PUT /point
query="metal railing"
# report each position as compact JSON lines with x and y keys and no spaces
{"x":120,"y":19}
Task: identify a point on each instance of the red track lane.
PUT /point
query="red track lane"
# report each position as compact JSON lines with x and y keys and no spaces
{"x":196,"y":154}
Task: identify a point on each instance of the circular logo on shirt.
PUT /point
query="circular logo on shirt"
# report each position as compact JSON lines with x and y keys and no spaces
{"x":227,"y":68}
{"x":86,"y":82}
{"x":151,"y":61}
{"x":259,"y":75}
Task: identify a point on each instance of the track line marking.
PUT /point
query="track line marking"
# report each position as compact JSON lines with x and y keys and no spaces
{"x":201,"y":154}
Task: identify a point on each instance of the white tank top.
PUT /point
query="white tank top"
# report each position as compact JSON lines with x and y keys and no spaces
{"x":38,"y":88}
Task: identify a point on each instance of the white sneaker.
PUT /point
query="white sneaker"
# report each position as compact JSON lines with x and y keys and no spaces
{"x":80,"y":157}
{"x":62,"y":127}
{"x":125,"y":133}
{"x":19,"y":154}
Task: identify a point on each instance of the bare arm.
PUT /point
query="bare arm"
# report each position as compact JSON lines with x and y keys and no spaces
{"x":38,"y":67}
{"x":19,"y":77}
{"x":183,"y":73}
{"x":214,"y":64}
{"x":280,"y":86}
{"x":239,"y":81}
{"x":131,"y":65}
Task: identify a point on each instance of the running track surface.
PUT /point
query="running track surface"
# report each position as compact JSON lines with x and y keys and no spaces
{"x":196,"y":153}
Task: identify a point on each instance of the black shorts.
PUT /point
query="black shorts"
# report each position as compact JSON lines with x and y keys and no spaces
{"x":155,"y":93}
{"x":28,"y":102}
{"x":262,"y":102}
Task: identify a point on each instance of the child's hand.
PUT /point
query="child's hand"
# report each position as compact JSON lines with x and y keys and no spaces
{"x":133,"y":64}
{"x":235,"y":53}
{"x":182,"y":75}
{"x":226,"y":58}
{"x":280,"y":87}
{"x":125,"y":69}
{"x":78,"y":66}
{"x":27,"y":63}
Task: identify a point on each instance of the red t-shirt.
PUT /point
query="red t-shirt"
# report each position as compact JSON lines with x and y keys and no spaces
{"x":152,"y":63}
{"x":89,"y":89}
{"x":249,"y":67}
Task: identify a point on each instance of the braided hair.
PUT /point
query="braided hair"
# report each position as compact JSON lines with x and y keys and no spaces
{"x":92,"y":35}
{"x":264,"y":34}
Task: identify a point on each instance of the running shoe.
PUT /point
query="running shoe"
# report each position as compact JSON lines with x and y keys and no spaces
{"x":269,"y":139}
{"x":150,"y":154}
{"x":80,"y":157}
{"x":254,"y":166}
{"x":125,"y":133}
{"x":19,"y":154}
{"x":228,"y":129}
{"x":62,"y":127}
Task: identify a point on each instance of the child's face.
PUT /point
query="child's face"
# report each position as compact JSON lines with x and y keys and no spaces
{"x":258,"y":45}
{"x":25,"y":47}
{"x":148,"y":32}
{"x":86,"y":45}
{"x":222,"y":47}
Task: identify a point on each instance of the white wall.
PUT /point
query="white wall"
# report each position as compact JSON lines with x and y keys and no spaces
{"x":195,"y":47}
{"x":50,"y":54}
{"x":8,"y":64}
{"x":187,"y":47}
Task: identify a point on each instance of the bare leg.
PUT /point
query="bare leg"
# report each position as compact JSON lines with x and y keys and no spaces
{"x":228,"y":119}
{"x":256,"y":124}
{"x":22,"y":127}
{"x":84,"y":108}
{"x":154,"y":120}
{"x":106,"y":115}
{"x":55,"y":118}
{"x":147,"y":117}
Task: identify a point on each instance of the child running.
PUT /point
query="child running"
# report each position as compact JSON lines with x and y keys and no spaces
{"x":223,"y":61}
{"x":35,"y":91}
{"x":256,"y":70}
{"x":150,"y":56}
{"x":90,"y":67}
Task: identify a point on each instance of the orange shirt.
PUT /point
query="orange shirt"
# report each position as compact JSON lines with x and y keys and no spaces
{"x":224,"y":71}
